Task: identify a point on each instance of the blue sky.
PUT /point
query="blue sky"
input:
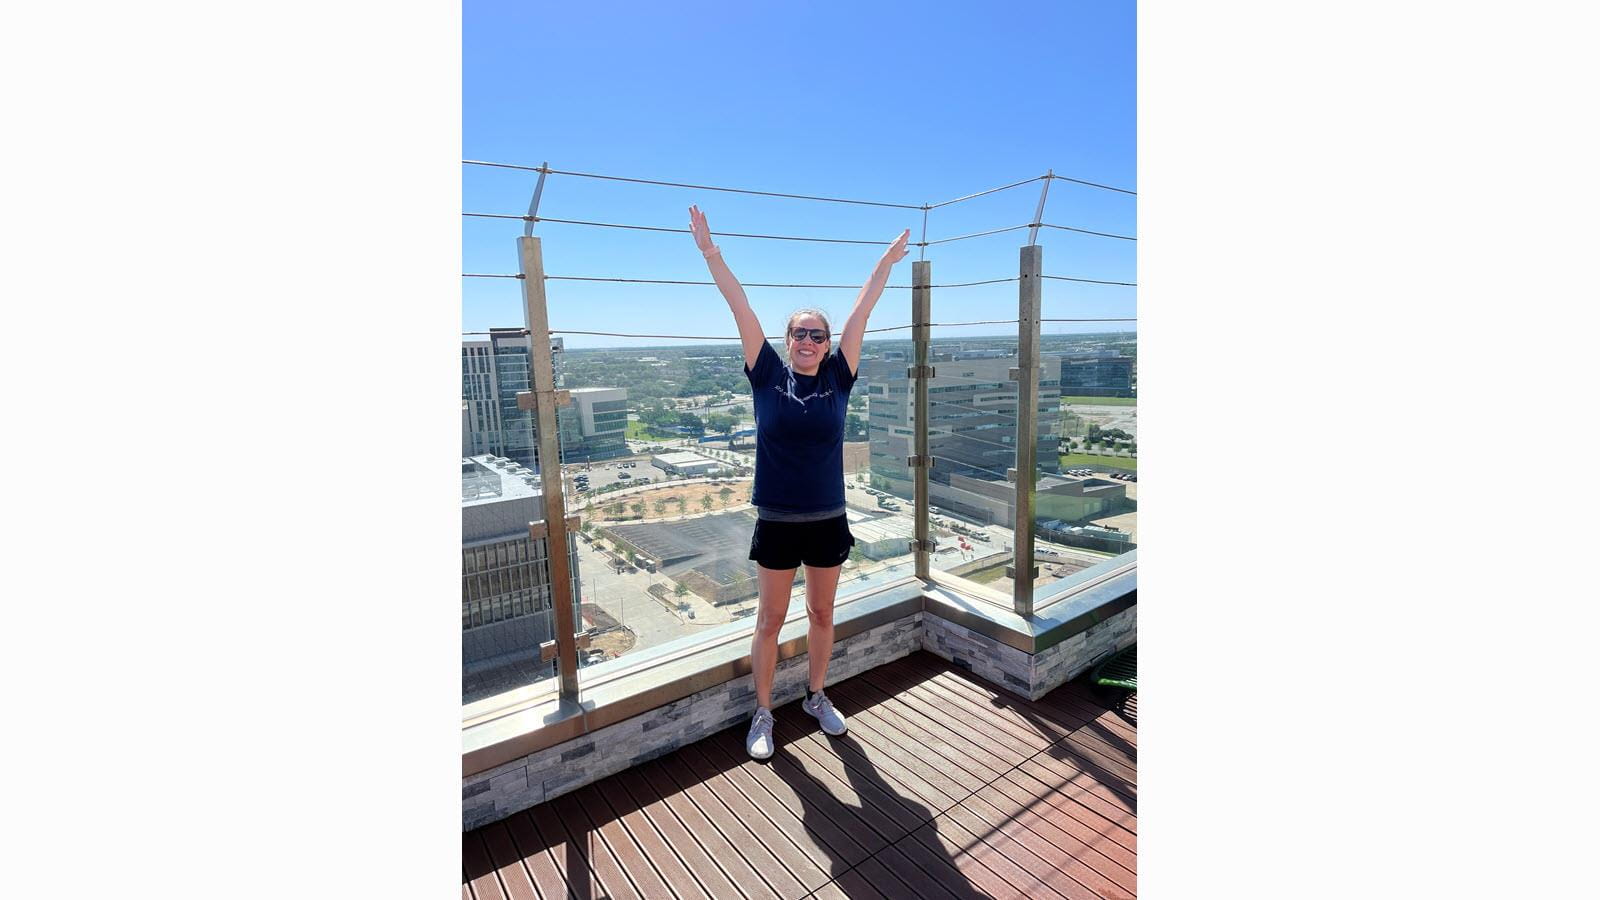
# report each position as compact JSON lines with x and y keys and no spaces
{"x":903,"y":104}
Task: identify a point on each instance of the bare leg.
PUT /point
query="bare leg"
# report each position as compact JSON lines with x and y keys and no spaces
{"x":775,"y":587}
{"x":821,"y":586}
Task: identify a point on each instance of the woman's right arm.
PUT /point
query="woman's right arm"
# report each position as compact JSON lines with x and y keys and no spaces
{"x":749,"y":327}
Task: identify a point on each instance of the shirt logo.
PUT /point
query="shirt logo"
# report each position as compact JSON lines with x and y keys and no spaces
{"x":787,"y":390}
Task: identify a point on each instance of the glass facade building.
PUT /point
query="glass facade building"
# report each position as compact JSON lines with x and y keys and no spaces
{"x":1096,"y":375}
{"x":494,"y":371}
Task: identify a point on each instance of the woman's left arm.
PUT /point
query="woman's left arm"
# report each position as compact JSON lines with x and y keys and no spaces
{"x":855,"y":327}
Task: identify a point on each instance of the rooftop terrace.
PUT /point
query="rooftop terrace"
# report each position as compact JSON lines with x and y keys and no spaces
{"x":944,"y":787}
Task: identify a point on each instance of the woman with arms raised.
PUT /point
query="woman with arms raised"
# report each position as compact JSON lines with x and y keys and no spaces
{"x":799,"y":483}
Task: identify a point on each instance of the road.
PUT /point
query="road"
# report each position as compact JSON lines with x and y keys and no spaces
{"x":624,"y":596}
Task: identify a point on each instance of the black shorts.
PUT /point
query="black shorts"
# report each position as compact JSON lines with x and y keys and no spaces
{"x":785,"y":545}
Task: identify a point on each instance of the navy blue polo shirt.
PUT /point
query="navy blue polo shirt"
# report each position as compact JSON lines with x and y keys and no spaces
{"x":799,"y":433}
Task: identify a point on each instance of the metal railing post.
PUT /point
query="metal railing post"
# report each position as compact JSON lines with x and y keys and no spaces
{"x":920,"y":372}
{"x":1027,"y":375}
{"x":541,"y":375}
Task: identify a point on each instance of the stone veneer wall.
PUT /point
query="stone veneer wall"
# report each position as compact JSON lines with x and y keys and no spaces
{"x":1027,"y":674}
{"x":546,"y":774}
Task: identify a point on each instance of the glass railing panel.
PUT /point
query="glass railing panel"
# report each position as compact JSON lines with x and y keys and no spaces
{"x":972,"y":432}
{"x":1086,"y":501}
{"x":665,"y":515}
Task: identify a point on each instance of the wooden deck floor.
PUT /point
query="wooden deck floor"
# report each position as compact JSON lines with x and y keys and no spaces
{"x":944,"y":787}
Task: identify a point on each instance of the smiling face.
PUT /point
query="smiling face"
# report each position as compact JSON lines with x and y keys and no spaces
{"x":806,"y":357}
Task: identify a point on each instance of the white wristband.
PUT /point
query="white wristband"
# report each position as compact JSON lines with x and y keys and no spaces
{"x":708,"y":253}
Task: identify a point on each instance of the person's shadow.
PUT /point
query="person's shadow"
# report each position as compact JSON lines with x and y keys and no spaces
{"x":868,"y":822}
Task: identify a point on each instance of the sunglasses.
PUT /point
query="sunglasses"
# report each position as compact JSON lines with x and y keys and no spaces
{"x":817,"y":335}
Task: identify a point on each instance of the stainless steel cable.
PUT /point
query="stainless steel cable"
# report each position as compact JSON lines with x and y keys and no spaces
{"x":990,"y":191}
{"x":1088,"y":320}
{"x":702,"y":337}
{"x":773,"y":237}
{"x":1090,"y":280}
{"x":701,"y":187}
{"x":897,"y":287}
{"x":1120,"y":237}
{"x":977,"y":234}
{"x":1104,"y":187}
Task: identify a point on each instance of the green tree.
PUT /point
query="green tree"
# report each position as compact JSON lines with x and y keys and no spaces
{"x":661,"y":506}
{"x":705,"y":502}
{"x":854,"y":428}
{"x":680,"y":590}
{"x":683,"y":505}
{"x":615,"y":510}
{"x":726,"y":493}
{"x":638,"y":509}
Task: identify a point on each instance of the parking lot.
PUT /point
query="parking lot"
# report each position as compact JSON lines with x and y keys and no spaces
{"x":627,"y":472}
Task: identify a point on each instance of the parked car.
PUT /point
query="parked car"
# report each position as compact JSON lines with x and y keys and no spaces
{"x":623,"y":475}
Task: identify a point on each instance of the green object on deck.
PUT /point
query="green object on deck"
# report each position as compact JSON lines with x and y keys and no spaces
{"x":1121,"y":669}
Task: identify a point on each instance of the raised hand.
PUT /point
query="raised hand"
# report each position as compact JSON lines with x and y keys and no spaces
{"x":897,"y":250}
{"x":701,"y":231}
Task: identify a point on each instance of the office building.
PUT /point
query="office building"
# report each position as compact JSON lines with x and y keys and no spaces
{"x":972,"y":415}
{"x":494,"y":371}
{"x":1097,"y":374}
{"x":505,"y":579}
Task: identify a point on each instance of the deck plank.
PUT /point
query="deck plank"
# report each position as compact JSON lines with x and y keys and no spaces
{"x":753,"y":837}
{"x":1120,"y":832}
{"x":984,"y":759}
{"x":507,"y":860}
{"x":889,"y":814}
{"x":1025,"y":849}
{"x":590,"y":870}
{"x":668,"y":863}
{"x":900,"y":752}
{"x":915,"y":696}
{"x":1093,"y":850}
{"x":951,"y":837}
{"x":935,"y":733}
{"x":547,"y":876}
{"x":729,"y":850}
{"x":480,"y":870}
{"x":604,"y":824}
{"x":886,"y":771}
{"x":711,"y":877}
{"x":811,"y":808}
{"x":780,"y":840}
{"x":979,"y":863}
{"x":1057,"y":854}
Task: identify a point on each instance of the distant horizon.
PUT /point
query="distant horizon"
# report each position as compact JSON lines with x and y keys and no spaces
{"x":733,"y":342}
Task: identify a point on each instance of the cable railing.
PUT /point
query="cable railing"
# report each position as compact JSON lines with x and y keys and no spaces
{"x":784,"y":237}
{"x":981,"y":452}
{"x":779,"y":337}
{"x":546,"y":170}
{"x":852,"y":287}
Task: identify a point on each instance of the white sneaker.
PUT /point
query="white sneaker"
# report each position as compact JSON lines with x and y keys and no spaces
{"x":758,"y":743}
{"x":820,"y":706}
